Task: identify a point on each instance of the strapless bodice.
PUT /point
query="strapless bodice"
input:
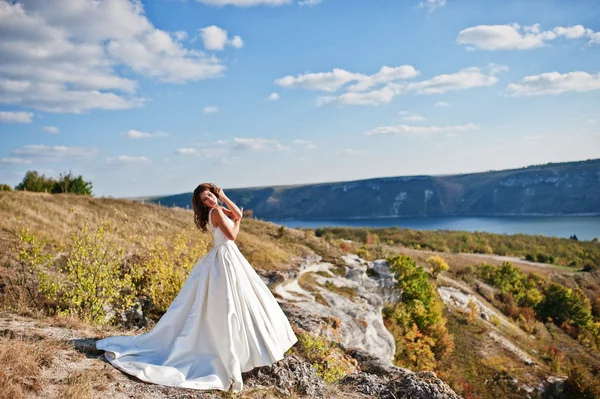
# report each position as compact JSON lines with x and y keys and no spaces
{"x":219,"y":237}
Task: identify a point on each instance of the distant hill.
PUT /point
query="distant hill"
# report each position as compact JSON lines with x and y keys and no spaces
{"x":568,"y":188}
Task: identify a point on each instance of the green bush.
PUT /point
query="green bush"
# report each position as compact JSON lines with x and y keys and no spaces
{"x":330,"y":361}
{"x":92,"y":281}
{"x":565,"y":305}
{"x":30,"y":277}
{"x":438,"y":265}
{"x":162,"y":268}
{"x":416,"y":322}
{"x":66,"y":183}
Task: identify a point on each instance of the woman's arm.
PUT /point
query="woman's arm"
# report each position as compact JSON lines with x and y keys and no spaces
{"x":236,"y":213}
{"x":230,"y":232}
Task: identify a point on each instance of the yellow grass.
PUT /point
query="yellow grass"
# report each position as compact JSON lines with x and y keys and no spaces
{"x":54,"y":217}
{"x":21,"y":364}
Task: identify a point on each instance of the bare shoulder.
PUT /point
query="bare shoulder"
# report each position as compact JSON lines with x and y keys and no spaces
{"x":216,"y":216}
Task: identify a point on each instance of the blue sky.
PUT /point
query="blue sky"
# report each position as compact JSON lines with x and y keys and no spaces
{"x":149,"y":98}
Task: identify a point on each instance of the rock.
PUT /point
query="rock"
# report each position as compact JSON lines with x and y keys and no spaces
{"x":288,"y":373}
{"x":371,"y":364}
{"x":134,"y":317}
{"x":360,"y":318}
{"x":365,"y":383}
{"x":423,"y":385}
{"x":555,"y":388}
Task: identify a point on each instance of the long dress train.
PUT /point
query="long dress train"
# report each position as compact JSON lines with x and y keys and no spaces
{"x":223,"y":322}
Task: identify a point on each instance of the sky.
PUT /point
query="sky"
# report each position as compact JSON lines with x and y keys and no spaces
{"x":155,"y":97}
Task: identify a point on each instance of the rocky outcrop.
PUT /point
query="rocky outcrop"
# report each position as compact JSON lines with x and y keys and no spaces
{"x":376,"y":380}
{"x":288,"y":375}
{"x":382,"y":381}
{"x":342,"y":309}
{"x":355,"y":324}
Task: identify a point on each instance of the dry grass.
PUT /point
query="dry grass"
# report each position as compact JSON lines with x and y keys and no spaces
{"x":83,"y":383}
{"x":54,"y":217}
{"x":21,"y":363}
{"x":347,"y":292}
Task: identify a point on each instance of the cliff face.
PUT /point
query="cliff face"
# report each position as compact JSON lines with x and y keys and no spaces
{"x":566,"y":188}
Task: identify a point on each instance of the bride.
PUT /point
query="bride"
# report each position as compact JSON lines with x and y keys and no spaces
{"x":223,"y":322}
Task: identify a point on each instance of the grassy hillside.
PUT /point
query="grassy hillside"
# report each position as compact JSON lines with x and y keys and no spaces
{"x":148,"y":249}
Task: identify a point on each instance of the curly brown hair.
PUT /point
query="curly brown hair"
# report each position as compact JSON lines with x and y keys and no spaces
{"x":201,"y":210}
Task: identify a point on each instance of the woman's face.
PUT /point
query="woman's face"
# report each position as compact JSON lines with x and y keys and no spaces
{"x":208,"y":199}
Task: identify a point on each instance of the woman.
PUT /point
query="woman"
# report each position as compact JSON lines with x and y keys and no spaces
{"x":223,"y":322}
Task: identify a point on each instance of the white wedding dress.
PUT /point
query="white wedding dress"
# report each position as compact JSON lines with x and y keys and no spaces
{"x":223,"y":322}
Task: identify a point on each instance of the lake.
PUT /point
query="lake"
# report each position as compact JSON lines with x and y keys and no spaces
{"x":584,"y":227}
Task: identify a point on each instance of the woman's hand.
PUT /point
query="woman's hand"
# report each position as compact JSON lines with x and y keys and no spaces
{"x":220,"y":193}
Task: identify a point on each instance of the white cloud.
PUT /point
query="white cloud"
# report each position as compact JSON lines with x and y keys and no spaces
{"x":206,"y":152}
{"x":211,"y":109}
{"x":15,"y":161}
{"x":51,"y":129}
{"x":409,"y":117}
{"x":572,"y":32}
{"x":374,"y":97}
{"x":215,"y":38}
{"x":273,"y":96}
{"x":465,"y":79}
{"x":350,"y":151}
{"x":135,"y":134}
{"x":307,"y":143}
{"x":126,"y":160}
{"x":16,"y":117}
{"x":244,"y":3}
{"x":591,"y":120}
{"x":555,"y":83}
{"x":324,"y":81}
{"x":418,"y":130}
{"x":432,"y":4}
{"x":258,"y":143}
{"x":309,"y":3}
{"x":387,"y":78}
{"x":332,"y":81}
{"x":69,"y":56}
{"x":517,"y":37}
{"x":52,"y":153}
{"x":186,"y":151}
{"x":385,"y":75}
{"x":442,"y":104}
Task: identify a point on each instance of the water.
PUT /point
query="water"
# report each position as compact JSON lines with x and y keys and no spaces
{"x":584,"y":227}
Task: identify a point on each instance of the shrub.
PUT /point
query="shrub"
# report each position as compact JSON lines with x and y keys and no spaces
{"x":163,"y":269}
{"x":92,"y":281}
{"x":5,"y":187}
{"x":566,"y":305}
{"x":31,"y":279}
{"x":330,"y":361}
{"x":438,"y":264}
{"x":412,"y":279}
{"x":416,"y":322}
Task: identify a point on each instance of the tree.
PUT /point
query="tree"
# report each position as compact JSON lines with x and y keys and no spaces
{"x":66,"y":183}
{"x":35,"y":182}
{"x":412,"y":279}
{"x":5,"y":187}
{"x":563,"y":304}
{"x":80,"y":186}
{"x":438,"y":265}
